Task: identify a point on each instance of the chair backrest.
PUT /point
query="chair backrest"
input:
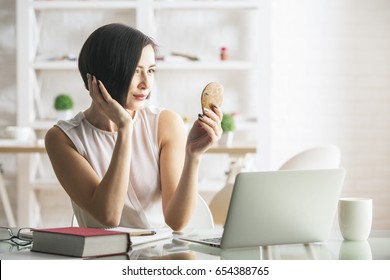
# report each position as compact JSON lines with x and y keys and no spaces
{"x":321,"y":157}
{"x":219,"y":204}
{"x":9,"y":214}
{"x":74,"y":222}
{"x":202,"y":218}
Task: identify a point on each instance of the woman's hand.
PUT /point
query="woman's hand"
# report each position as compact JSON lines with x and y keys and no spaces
{"x":205,"y":132}
{"x":106,"y":104}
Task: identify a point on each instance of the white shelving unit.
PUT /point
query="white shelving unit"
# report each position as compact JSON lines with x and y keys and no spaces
{"x":39,"y":79}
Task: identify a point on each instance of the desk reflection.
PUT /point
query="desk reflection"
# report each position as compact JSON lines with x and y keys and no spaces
{"x":281,"y":252}
{"x":355,"y":250}
{"x":377,"y":248}
{"x":309,"y":251}
{"x":178,"y":250}
{"x":230,"y":254}
{"x":170,"y":249}
{"x":9,"y":247}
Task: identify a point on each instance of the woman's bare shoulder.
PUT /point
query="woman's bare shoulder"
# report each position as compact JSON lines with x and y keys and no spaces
{"x":54,"y":133}
{"x":170,"y":125}
{"x":56,"y":138}
{"x":170,"y":117}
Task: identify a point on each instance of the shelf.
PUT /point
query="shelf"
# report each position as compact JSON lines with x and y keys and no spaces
{"x":55,"y":65}
{"x":45,"y":184}
{"x":241,"y":125}
{"x":234,"y":150}
{"x":158,"y":5}
{"x":14,"y":146}
{"x":198,"y":65}
{"x":9,"y":146}
{"x":220,"y":5}
{"x":43,"y":124}
{"x":59,"y":5}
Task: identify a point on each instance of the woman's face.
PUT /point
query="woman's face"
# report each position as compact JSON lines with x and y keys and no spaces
{"x":143,"y":80}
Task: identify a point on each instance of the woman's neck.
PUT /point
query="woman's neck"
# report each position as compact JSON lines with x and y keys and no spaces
{"x":99,"y":121}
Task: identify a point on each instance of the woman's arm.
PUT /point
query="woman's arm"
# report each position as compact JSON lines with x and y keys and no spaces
{"x":179,"y":162}
{"x":102,"y":198}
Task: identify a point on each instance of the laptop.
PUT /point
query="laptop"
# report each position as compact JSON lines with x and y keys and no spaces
{"x":279,"y":207}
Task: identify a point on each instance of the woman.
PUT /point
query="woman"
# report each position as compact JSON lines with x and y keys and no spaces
{"x":121,"y":163}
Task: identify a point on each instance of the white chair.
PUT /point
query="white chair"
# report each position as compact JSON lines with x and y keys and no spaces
{"x":219,"y":204}
{"x":321,"y":157}
{"x":74,"y":222}
{"x":202,"y":217}
{"x":6,"y":202}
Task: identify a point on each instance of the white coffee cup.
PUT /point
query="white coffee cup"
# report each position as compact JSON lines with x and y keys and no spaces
{"x":355,"y":217}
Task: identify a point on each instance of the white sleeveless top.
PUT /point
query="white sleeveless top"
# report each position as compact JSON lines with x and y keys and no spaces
{"x":143,"y":205}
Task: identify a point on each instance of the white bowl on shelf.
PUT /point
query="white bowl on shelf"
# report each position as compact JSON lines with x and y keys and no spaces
{"x":19,"y":133}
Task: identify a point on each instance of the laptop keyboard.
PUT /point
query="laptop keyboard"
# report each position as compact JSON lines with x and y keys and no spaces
{"x":213,"y":240}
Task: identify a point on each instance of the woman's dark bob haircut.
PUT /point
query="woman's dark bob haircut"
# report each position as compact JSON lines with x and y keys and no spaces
{"x":111,"y":53}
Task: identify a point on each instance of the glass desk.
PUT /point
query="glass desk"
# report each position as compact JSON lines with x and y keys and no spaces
{"x":377,"y":247}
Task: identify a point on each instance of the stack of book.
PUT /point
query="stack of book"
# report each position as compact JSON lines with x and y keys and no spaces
{"x":80,"y":242}
{"x":93,"y":242}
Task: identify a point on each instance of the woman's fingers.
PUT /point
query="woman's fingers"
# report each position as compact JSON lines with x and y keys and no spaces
{"x":92,"y":87}
{"x":89,"y":78}
{"x":210,"y":130}
{"x":106,"y":104}
{"x":107,"y":97}
{"x":213,"y":120}
{"x":97,"y":91}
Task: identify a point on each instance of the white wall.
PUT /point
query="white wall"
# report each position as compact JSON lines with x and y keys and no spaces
{"x":331,"y":84}
{"x":330,"y":78}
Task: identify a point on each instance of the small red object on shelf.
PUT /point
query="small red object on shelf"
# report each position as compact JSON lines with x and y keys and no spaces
{"x":223,"y":53}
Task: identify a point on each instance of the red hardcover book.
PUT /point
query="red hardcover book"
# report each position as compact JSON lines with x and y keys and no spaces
{"x":80,"y":242}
